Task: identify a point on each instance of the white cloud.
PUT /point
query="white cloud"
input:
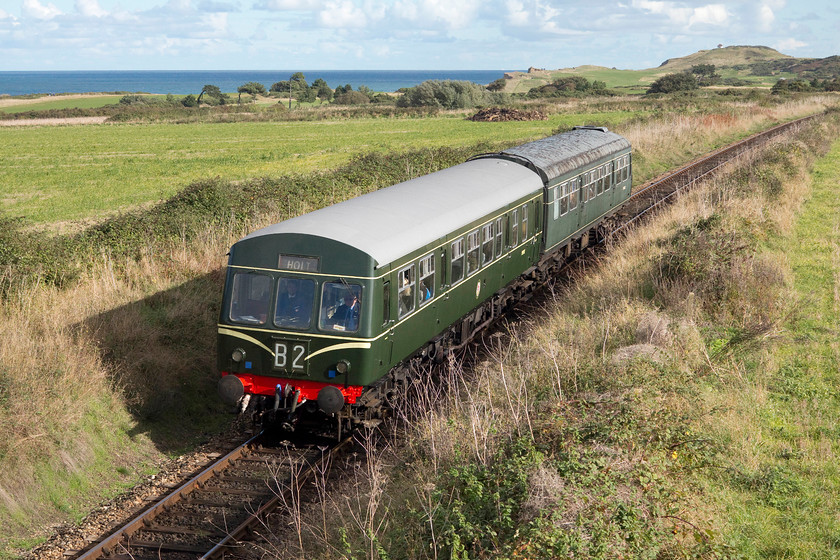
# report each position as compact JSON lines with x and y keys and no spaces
{"x":789,"y":44}
{"x":712,"y":14}
{"x":535,"y":20}
{"x":33,"y":8}
{"x":90,"y":8}
{"x":342,"y":14}
{"x":684,"y":16}
{"x":452,"y":14}
{"x":289,"y":5}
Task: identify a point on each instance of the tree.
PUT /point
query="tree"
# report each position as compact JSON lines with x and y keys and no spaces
{"x":497,"y":85}
{"x":706,"y":75}
{"x":299,"y":85}
{"x":322,"y":90}
{"x":280,"y":87}
{"x":669,"y":83}
{"x":448,"y":94}
{"x":211,"y":91}
{"x":252,"y":88}
{"x":785,"y":86}
{"x":189,"y":101}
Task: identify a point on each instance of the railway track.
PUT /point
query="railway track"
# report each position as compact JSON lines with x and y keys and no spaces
{"x":209,"y":515}
{"x":655,"y":193}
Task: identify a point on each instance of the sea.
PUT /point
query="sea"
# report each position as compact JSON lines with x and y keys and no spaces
{"x":182,"y":82}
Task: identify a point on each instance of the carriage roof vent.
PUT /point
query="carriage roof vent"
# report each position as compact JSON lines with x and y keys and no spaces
{"x":589,"y":127}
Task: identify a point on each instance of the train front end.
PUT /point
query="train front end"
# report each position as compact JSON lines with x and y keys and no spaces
{"x":296,"y":330}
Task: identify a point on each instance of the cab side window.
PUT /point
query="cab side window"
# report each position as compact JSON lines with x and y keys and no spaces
{"x":405,"y":279}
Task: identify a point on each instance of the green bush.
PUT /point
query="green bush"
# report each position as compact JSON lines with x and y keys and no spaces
{"x":448,"y":94}
{"x":352,"y":98}
{"x":671,"y":83}
{"x":570,"y":86}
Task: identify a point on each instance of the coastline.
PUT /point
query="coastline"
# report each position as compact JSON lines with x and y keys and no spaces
{"x":17,"y":83}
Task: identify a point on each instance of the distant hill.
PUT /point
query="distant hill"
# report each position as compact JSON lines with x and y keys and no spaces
{"x":724,"y":57}
{"x":754,"y":66}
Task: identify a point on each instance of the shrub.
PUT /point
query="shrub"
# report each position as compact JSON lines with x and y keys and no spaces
{"x":352,"y":98}
{"x":570,"y":86}
{"x":674,"y":82}
{"x":448,"y":94}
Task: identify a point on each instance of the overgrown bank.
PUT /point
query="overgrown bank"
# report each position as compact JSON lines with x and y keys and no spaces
{"x":114,"y":327}
{"x":677,"y":402}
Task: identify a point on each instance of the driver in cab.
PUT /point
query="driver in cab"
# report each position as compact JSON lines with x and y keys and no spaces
{"x":346,"y":316}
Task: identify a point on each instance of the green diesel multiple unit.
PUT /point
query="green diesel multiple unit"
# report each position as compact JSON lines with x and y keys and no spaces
{"x":322,"y":307}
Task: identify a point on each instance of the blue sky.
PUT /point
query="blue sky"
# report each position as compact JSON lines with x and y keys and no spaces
{"x":398,"y":34}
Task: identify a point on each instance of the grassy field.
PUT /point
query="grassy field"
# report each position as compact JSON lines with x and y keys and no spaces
{"x":629,"y":81}
{"x":58,"y":102}
{"x":56,"y":174}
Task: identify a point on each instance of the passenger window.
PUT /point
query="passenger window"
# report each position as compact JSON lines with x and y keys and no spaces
{"x":473,"y":247}
{"x":524,"y":235}
{"x":427,"y":279}
{"x":573,"y":196}
{"x":405,"y":278}
{"x":499,"y":237}
{"x":294,"y":303}
{"x":557,"y":196}
{"x":608,"y":176}
{"x":250,"y":295}
{"x":457,"y":261}
{"x":341,"y":305}
{"x":486,"y":244}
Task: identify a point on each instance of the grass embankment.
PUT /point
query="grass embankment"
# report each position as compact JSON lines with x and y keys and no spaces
{"x":107,"y":335}
{"x":679,"y":401}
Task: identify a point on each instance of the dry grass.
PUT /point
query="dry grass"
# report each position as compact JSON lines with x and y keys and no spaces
{"x":651,"y":427}
{"x":139,"y":336}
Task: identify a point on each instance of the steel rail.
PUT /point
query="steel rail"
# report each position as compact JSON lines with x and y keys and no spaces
{"x":682,"y":178}
{"x":106,"y":545}
{"x":702,"y":168}
{"x":234,"y":537}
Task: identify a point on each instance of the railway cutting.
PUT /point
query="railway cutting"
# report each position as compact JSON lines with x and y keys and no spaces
{"x":215,"y":513}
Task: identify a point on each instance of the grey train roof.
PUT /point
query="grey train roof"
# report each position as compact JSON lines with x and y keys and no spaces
{"x":558,"y":155}
{"x":392,"y":222}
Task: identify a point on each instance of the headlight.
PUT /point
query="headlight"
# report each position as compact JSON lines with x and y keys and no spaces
{"x":238,"y":355}
{"x":343,"y":366}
